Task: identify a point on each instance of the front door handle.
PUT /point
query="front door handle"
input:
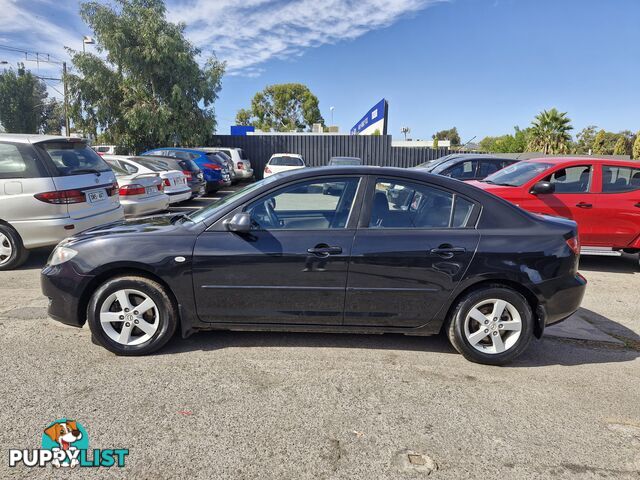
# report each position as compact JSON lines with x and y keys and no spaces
{"x":323,"y":250}
{"x":584,"y":205}
{"x":447,"y":251}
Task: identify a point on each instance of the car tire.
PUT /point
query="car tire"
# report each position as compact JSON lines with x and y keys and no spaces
{"x":479,"y":336}
{"x":12,"y":251}
{"x":127,"y":335}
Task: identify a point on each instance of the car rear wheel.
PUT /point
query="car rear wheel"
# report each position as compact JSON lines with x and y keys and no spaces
{"x":12,"y":251}
{"x":492,"y":325}
{"x":132,"y":316}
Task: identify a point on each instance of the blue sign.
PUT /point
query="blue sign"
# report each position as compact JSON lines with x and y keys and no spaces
{"x":241,"y":129}
{"x":374,"y":120}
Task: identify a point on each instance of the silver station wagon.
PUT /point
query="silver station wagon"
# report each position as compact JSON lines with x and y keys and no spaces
{"x":50,"y":188}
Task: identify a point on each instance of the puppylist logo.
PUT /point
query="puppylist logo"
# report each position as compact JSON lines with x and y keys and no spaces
{"x":65,"y":443}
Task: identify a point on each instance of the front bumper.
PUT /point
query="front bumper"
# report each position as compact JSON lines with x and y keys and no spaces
{"x":62,"y":285}
{"x":45,"y":232}
{"x":145,"y":206}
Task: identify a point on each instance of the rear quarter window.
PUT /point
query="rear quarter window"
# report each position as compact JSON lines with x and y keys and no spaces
{"x":19,"y":161}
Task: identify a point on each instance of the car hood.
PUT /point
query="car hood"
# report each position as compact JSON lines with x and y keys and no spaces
{"x":499,"y":190}
{"x":155,"y":224}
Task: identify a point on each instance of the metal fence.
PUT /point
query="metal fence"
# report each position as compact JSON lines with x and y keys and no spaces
{"x":317,"y":149}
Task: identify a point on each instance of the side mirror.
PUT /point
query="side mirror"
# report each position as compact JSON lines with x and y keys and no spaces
{"x":239,"y":223}
{"x":541,"y":188}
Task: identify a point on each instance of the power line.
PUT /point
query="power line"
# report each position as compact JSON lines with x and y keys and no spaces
{"x":39,"y":56}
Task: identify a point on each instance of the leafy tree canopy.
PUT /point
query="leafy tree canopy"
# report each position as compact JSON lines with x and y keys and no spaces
{"x":146,"y":89}
{"x":636,"y":147}
{"x":24,"y":103}
{"x":515,"y":143}
{"x":451,"y":135}
{"x":549,"y":132}
{"x":282,"y":107}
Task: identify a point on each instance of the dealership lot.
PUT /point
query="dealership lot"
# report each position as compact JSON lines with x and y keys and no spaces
{"x":248,"y":405}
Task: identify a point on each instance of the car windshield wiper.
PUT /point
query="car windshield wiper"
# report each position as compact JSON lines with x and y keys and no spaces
{"x":86,"y":170}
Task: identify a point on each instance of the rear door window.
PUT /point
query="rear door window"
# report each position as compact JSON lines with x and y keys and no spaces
{"x":620,"y":179}
{"x":19,"y":161}
{"x":73,"y":158}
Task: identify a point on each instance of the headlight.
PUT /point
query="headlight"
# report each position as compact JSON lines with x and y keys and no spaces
{"x":61,"y":255}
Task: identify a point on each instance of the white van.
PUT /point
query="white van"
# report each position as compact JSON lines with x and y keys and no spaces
{"x":50,"y":188}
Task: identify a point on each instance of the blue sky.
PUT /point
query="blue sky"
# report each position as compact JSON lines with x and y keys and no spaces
{"x":481,"y":65}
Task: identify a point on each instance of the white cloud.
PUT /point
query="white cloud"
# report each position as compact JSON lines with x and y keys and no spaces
{"x":248,"y":33}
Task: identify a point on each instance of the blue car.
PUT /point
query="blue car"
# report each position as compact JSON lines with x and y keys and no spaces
{"x":216,"y":173}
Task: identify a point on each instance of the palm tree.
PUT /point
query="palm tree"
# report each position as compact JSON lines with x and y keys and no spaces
{"x":550,"y":132}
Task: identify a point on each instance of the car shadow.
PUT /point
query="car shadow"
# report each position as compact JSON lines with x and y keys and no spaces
{"x":627,"y":263}
{"x":37,"y":259}
{"x":541,"y":353}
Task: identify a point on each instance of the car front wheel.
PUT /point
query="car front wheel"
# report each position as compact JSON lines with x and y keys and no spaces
{"x":492,"y":325}
{"x":131,"y":316}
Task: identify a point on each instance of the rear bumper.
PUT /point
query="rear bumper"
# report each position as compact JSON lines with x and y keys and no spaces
{"x":44,"y":233}
{"x":179,"y":196}
{"x":244,"y":174}
{"x":565,"y":300}
{"x":145,"y":206}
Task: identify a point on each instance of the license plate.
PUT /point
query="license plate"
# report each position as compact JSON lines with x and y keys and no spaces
{"x":96,"y":196}
{"x":151,"y":190}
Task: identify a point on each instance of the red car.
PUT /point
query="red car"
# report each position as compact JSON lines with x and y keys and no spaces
{"x":602,"y":196}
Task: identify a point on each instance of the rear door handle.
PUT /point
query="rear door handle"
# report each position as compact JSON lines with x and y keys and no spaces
{"x":637,"y":205}
{"x":324,"y":250}
{"x":584,"y":205}
{"x":447,"y":252}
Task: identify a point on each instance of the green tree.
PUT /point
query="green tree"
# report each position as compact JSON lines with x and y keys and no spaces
{"x":636,"y":147}
{"x":53,"y":118}
{"x":622,"y":146}
{"x":145,"y":88}
{"x":435,"y":142}
{"x":23,"y":101}
{"x":516,"y":143}
{"x":284,"y":107}
{"x":549,"y":132}
{"x":604,"y":143}
{"x":451,"y":135}
{"x":584,"y":140}
{"x":243,"y":117}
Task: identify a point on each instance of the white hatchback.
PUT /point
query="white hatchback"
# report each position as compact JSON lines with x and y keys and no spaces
{"x":50,"y":188}
{"x":283,"y":162}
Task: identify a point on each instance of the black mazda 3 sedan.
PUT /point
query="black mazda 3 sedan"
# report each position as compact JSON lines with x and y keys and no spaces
{"x":281,"y":255}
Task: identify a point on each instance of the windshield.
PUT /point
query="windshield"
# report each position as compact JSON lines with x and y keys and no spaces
{"x":74,"y":158}
{"x":202,"y":214}
{"x":285,"y":161}
{"x":437,"y":161}
{"x":119,"y":171}
{"x":517,"y":174}
{"x":345,"y":161}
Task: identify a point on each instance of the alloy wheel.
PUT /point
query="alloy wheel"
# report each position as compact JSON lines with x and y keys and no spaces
{"x":129,"y":317}
{"x":5,"y":249}
{"x":493,"y":326}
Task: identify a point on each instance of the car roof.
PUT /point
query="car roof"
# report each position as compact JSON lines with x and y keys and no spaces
{"x":297,"y":155}
{"x":35,"y":138}
{"x":578,"y":159}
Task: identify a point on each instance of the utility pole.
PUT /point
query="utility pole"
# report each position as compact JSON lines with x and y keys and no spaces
{"x":66,"y":103}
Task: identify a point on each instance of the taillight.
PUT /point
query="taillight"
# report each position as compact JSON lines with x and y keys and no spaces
{"x":240,"y":166}
{"x":62,"y":197}
{"x":133,"y":189}
{"x":161,"y":186}
{"x":167,"y":182}
{"x":187,"y":174}
{"x":266,"y":169}
{"x":574,"y":244}
{"x":212,"y":166}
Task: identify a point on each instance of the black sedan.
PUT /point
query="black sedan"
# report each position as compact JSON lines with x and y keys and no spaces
{"x":280,"y":255}
{"x":467,"y":166}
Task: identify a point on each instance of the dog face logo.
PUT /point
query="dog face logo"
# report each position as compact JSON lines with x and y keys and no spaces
{"x":64,"y":433}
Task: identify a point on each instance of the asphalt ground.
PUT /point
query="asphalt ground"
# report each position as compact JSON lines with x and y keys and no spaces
{"x":289,"y":405}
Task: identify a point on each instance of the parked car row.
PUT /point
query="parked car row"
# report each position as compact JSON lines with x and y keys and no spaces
{"x":52,"y":187}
